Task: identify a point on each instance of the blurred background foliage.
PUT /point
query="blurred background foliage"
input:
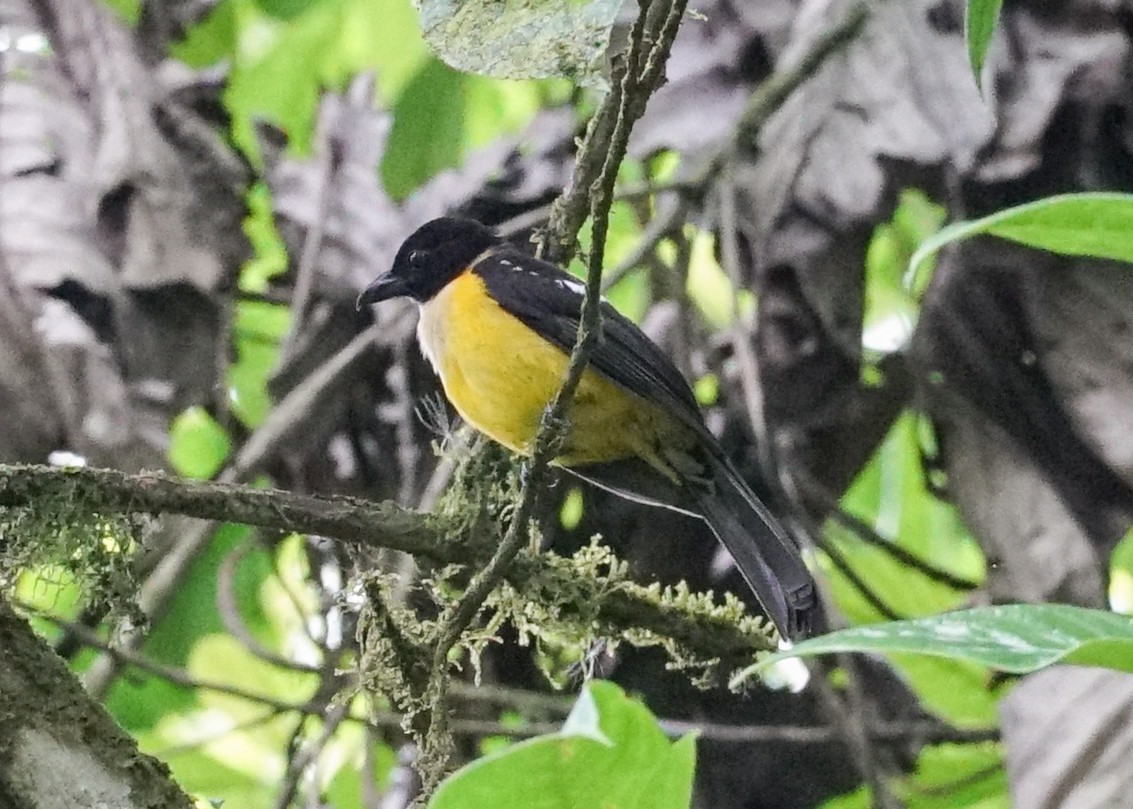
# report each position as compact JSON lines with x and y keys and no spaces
{"x":233,"y":698}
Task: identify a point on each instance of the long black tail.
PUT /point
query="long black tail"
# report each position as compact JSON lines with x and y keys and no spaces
{"x":766,"y":556}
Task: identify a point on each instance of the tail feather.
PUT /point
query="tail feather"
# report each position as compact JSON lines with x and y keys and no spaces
{"x":766,"y":556}
{"x":756,"y":572}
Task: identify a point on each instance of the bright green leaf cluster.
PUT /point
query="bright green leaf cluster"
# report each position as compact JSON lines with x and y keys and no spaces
{"x":610,"y":754}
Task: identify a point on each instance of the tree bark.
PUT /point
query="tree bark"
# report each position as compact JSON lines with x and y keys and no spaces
{"x":50,"y":727}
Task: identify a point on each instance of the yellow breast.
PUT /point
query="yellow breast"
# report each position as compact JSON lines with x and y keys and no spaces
{"x":500,"y":376}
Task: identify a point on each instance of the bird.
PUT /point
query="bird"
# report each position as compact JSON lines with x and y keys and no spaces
{"x":498,"y":325}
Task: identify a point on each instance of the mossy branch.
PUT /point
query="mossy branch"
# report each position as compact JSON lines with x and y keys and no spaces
{"x":92,"y":493}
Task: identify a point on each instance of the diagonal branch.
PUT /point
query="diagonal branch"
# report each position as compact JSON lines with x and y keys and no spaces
{"x":372,"y":525}
{"x":641,"y":69}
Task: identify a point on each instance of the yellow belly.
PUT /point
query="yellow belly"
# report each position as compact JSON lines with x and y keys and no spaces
{"x":500,"y":376}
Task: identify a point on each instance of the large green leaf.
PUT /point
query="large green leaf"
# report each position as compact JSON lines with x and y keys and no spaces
{"x":514,"y":39}
{"x":1016,"y":638}
{"x":1098,"y":224}
{"x":610,"y":754}
{"x":979,"y":25}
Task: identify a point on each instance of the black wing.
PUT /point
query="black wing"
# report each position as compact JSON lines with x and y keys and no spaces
{"x":549,"y":302}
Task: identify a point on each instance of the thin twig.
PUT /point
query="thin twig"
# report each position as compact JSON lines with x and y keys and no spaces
{"x":371,"y":796}
{"x":308,"y":755}
{"x":813,"y":489}
{"x":670,"y":216}
{"x":866,"y":533}
{"x":875,"y":771}
{"x":228,"y":607}
{"x":850,"y":725}
{"x":517,"y":699}
{"x":313,"y":238}
{"x":918,"y":730}
{"x":774,"y":91}
{"x":170,"y":752}
{"x":843,"y":566}
{"x":739,"y":334}
{"x":640,"y":75}
{"x":288,"y":418}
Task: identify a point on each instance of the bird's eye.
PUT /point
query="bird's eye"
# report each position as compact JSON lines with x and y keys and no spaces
{"x":417,"y":258}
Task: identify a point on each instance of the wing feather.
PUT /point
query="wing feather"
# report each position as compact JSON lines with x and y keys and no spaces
{"x":549,"y":302}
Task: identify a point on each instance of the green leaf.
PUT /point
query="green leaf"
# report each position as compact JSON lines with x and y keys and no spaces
{"x":1121,"y":575}
{"x":441,"y":114}
{"x":257,"y":331}
{"x":708,"y":285}
{"x":428,"y":129}
{"x":269,"y":253}
{"x":979,"y":25}
{"x":281,"y":56}
{"x":529,"y":40}
{"x":1098,"y":224}
{"x":955,"y":776}
{"x":610,"y":754}
{"x":139,"y":702}
{"x":211,"y":39}
{"x":286,"y":9}
{"x":947,"y":776}
{"x":890,"y":495}
{"x":198,"y":446}
{"x":1015,"y":638}
{"x":891,"y":310}
{"x":958,"y":691}
{"x":570,"y":515}
{"x":707,"y":390}
{"x":226,"y":745}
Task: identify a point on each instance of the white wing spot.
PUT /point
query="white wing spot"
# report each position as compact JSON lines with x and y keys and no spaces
{"x":574,"y":286}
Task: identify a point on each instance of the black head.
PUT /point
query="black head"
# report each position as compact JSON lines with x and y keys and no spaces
{"x":437,"y":252}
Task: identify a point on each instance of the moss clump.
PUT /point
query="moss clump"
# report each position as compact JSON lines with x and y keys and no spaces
{"x":63,"y":536}
{"x":395,"y":652}
{"x":704,"y":672}
{"x":485,"y":485}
